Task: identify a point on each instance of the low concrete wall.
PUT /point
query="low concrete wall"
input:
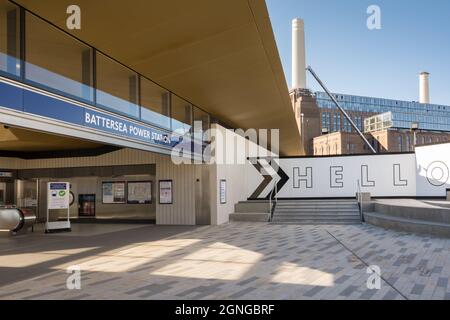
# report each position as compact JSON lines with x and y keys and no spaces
{"x":438,"y":215}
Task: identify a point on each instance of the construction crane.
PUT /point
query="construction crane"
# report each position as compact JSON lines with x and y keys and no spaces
{"x":349,"y":119}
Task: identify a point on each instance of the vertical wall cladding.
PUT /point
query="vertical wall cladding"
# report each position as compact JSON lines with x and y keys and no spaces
{"x":181,"y":212}
{"x":9,"y":163}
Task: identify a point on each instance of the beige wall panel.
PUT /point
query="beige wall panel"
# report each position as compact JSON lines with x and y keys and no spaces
{"x":9,"y":163}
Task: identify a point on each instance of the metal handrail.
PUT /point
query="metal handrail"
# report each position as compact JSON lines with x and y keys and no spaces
{"x":359,"y":198}
{"x":273,"y":202}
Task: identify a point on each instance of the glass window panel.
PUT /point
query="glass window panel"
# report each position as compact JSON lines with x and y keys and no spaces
{"x":56,"y":60}
{"x":181,"y":115}
{"x":202,"y":117}
{"x":117,"y":86}
{"x":9,"y":38}
{"x":155,"y":104}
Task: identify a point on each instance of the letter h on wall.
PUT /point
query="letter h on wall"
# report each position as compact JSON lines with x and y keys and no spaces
{"x":306,"y":177}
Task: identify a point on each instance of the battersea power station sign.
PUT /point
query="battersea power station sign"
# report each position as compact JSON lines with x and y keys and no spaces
{"x":115,"y":125}
{"x":423,"y":174}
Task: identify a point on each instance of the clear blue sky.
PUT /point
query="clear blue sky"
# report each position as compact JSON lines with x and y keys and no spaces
{"x":351,"y":59}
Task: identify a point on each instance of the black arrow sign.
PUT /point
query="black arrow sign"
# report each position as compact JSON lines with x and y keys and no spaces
{"x":284,"y":178}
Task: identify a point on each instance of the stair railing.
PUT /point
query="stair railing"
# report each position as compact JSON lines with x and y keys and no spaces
{"x":273,"y":197}
{"x":360,"y":199}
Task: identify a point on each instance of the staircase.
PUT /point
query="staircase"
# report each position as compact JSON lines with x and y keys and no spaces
{"x":317,"y":212}
{"x":251,"y":211}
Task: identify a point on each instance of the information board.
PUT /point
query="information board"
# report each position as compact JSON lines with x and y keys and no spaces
{"x":165,"y":192}
{"x":113,"y":192}
{"x":223,"y":191}
{"x":140,"y":192}
{"x":58,"y":198}
{"x":58,"y":195}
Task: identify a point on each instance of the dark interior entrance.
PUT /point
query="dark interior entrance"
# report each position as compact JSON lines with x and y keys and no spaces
{"x":86,"y":205}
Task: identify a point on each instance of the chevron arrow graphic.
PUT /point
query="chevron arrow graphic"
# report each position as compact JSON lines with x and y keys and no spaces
{"x":268,"y":178}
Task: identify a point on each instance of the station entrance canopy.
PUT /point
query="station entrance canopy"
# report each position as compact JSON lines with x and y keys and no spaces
{"x":219,"y":55}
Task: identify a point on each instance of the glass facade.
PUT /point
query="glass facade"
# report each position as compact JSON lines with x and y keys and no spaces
{"x":429,"y":116}
{"x":181,"y":115}
{"x":155,"y":102}
{"x":203,"y":117}
{"x":117,"y":86}
{"x":379,"y":122}
{"x":9,"y":39}
{"x":57,"y":61}
{"x":46,"y":57}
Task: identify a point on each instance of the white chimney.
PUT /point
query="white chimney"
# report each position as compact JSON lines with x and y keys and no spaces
{"x":298,"y":55}
{"x":424,"y":88}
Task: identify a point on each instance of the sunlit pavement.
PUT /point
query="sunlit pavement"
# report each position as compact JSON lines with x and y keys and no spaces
{"x":235,"y":261}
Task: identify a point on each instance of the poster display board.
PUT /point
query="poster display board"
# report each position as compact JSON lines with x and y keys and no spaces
{"x":165,"y":192}
{"x":139,"y":192}
{"x":113,"y":192}
{"x":58,"y":198}
{"x":223,"y":191}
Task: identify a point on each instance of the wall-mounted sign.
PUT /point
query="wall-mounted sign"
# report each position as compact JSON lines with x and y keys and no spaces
{"x":118,"y":126}
{"x":140,"y":192}
{"x":113,"y":192}
{"x":223,"y":191}
{"x":165,"y":192}
{"x":18,"y":98}
{"x":6,"y":174}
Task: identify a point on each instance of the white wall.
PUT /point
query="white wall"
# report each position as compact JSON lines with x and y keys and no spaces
{"x":236,"y":176}
{"x":433,"y":170}
{"x":382,"y":176}
{"x":424,"y":174}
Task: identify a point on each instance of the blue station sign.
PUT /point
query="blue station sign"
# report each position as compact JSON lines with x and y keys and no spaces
{"x":103,"y":122}
{"x":34,"y":102}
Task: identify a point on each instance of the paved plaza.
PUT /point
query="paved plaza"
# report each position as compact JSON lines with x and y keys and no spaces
{"x":234,"y":261}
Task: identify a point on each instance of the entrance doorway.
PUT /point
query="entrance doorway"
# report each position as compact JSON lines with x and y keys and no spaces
{"x":86,"y":205}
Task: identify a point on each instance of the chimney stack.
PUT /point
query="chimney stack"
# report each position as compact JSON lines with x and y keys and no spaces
{"x":298,"y":54}
{"x":424,"y":87}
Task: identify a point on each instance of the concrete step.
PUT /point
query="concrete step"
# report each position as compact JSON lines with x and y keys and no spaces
{"x":317,"y":222}
{"x":319,"y":203}
{"x":439,"y":215}
{"x":252,"y":206}
{"x":315,"y":212}
{"x":318,"y":211}
{"x":250,"y":217}
{"x":315,"y":216}
{"x":408,"y":225}
{"x":330,"y":208}
{"x":326,"y":204}
{"x":309,"y":217}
